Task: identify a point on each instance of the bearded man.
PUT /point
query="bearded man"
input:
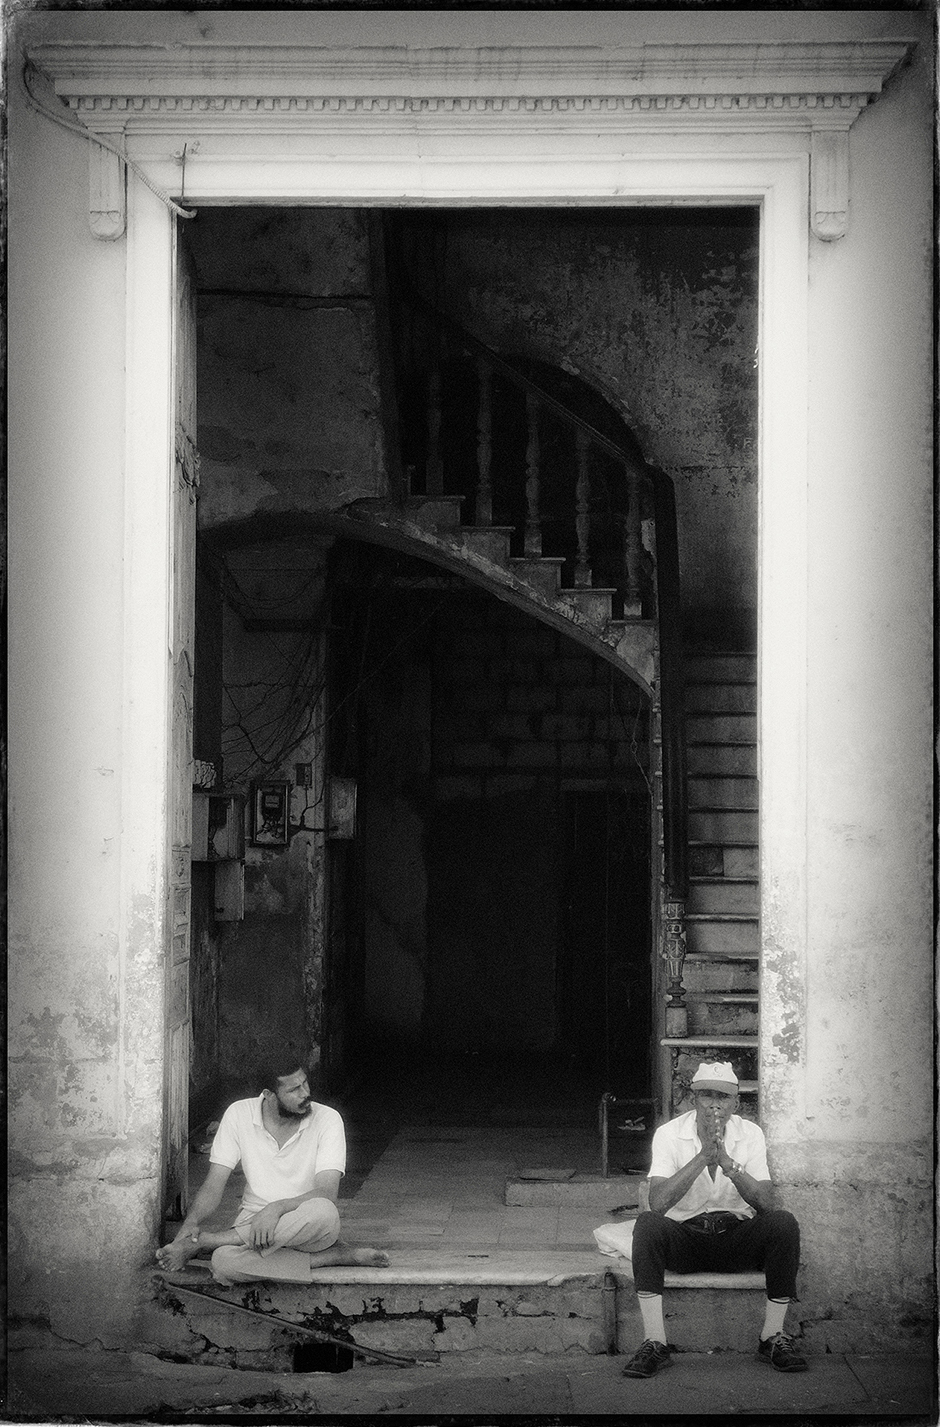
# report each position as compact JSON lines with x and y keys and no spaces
{"x":293,"y":1154}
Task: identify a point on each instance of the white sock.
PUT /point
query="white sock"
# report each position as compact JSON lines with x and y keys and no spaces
{"x":774,"y":1316}
{"x":651,"y":1311}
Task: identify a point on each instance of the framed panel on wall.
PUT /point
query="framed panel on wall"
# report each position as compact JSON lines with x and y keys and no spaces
{"x":270,"y":804}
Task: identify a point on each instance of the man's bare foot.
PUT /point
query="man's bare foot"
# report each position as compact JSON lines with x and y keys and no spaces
{"x":373,"y":1258}
{"x":174,"y":1256}
{"x":343,"y":1253}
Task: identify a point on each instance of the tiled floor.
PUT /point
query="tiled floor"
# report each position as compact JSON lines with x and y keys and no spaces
{"x":429,"y":1155}
{"x":444,"y":1187}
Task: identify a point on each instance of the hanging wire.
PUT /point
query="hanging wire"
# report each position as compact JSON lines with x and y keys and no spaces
{"x":76,"y":127}
{"x":632,"y":733}
{"x":607,"y":850}
{"x":273,"y":716}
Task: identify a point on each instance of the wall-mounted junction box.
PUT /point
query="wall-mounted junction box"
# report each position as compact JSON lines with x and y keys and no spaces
{"x":218,"y":827}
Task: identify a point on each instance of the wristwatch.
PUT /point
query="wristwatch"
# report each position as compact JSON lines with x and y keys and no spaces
{"x":734,"y":1169}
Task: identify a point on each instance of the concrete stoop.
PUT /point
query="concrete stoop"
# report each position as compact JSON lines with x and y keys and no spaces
{"x":512,"y":1302}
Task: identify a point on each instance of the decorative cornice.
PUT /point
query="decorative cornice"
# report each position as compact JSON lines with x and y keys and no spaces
{"x":817,"y":89}
{"x":842,"y":105}
{"x":288,"y":71}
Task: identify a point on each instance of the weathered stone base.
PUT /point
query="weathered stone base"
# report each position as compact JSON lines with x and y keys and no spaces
{"x":394,"y":1318}
{"x":453,"y":1318}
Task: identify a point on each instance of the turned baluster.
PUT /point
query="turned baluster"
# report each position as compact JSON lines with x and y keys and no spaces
{"x":434,"y":468}
{"x":632,"y":547}
{"x":582,"y":519}
{"x":674,"y":953}
{"x":533,"y":523}
{"x":484,"y":501}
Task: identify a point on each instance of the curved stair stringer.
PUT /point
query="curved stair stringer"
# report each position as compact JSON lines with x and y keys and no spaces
{"x":630,"y":645}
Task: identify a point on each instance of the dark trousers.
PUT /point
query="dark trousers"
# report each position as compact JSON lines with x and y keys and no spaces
{"x":769,"y":1241}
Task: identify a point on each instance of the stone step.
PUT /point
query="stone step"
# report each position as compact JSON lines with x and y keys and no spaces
{"x":721,"y":825}
{"x":730,"y":998}
{"x":718,"y":936}
{"x":704,"y":976}
{"x":723,"y":958}
{"x":489,"y":542}
{"x":594,"y":605}
{"x":717,"y":760}
{"x":734,"y":792}
{"x":542,"y":574}
{"x":732,"y":860}
{"x":720,"y":698}
{"x":721,"y":668}
{"x":427,"y":1301}
{"x":710,"y":1043}
{"x":704,"y":1313}
{"x":724,"y":895}
{"x":581,"y":1191}
{"x":722,"y":1018}
{"x":729,"y":728}
{"x":439,"y":512}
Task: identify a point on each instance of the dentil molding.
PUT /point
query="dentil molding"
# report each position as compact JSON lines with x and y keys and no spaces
{"x":184,"y":91}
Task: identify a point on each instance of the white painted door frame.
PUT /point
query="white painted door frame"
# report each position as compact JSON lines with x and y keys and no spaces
{"x":686,"y":125}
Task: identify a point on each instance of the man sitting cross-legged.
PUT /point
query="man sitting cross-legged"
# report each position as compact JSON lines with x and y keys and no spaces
{"x":711,"y":1210}
{"x":293,"y":1154}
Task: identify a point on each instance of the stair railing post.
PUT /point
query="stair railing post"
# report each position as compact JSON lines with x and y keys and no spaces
{"x":673,"y":952}
{"x":484,"y":500}
{"x":533,"y":523}
{"x":434,"y":470}
{"x":582,"y":521}
{"x":632,"y":544}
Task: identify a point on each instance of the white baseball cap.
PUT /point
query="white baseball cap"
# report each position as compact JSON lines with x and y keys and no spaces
{"x":716,"y":1075}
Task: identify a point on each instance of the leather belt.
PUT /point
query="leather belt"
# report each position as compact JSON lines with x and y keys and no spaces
{"x":719,"y":1221}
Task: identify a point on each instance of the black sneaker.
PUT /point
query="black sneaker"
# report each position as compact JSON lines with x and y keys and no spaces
{"x":779,"y":1351}
{"x":648,"y":1359}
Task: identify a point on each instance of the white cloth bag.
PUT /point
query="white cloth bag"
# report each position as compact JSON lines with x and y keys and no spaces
{"x":616,"y":1240}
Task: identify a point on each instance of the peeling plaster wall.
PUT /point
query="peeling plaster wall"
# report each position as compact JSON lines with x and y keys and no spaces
{"x":289,"y":407}
{"x":85,"y":977}
{"x":847,"y":1019}
{"x":272,"y":717}
{"x":658,"y":312}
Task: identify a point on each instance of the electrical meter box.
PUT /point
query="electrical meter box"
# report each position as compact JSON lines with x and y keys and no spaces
{"x":218,"y":827}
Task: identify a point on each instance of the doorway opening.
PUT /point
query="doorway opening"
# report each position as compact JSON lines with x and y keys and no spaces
{"x":477,"y":940}
{"x":497,"y":895}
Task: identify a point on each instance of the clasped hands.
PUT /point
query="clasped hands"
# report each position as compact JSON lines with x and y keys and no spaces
{"x":713,"y":1142}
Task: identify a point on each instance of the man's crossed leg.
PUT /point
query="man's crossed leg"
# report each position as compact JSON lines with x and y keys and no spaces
{"x":304,"y":1239}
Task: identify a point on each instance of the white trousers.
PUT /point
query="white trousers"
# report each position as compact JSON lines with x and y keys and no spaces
{"x":313,"y":1226}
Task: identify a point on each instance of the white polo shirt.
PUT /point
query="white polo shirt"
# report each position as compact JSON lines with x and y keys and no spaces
{"x":677,"y":1142}
{"x":274,"y":1171}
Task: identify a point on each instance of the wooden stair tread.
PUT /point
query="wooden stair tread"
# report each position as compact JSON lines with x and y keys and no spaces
{"x":527,"y":559}
{"x":722,"y":842}
{"x":724,"y":998}
{"x":703,"y":1041}
{"x":731,"y":954}
{"x":701,"y":880}
{"x":722,"y":917}
{"x":724,"y":777}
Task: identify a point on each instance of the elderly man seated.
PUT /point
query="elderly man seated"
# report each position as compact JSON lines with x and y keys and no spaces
{"x":711,"y":1211}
